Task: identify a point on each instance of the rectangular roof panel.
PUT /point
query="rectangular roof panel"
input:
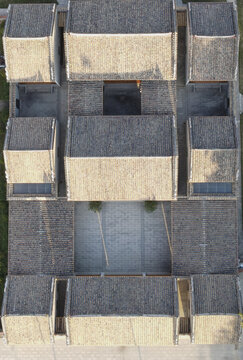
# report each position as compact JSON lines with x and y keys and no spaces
{"x":212,"y":19}
{"x":121,"y":136}
{"x":122,"y":296}
{"x":30,"y":20}
{"x":121,"y":17}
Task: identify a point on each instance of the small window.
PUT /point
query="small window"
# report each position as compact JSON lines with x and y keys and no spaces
{"x":212,"y":188}
{"x":32,"y":189}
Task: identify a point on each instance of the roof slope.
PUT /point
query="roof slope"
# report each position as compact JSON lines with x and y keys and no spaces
{"x":28,"y":295}
{"x":204,"y":19}
{"x":215,"y":304}
{"x":213,"y":132}
{"x":85,"y":98}
{"x":213,"y":42}
{"x":29,"y":41}
{"x":121,"y":158}
{"x":30,"y":133}
{"x":204,"y":237}
{"x":121,"y":17}
{"x":27,"y":309}
{"x":215,"y":294}
{"x":158,"y":97}
{"x":25,"y":20}
{"x":113,"y":136}
{"x":121,"y":311}
{"x":121,"y":40}
{"x":41,"y":237}
{"x":29,"y":150}
{"x":212,"y":149}
{"x":122,"y":296}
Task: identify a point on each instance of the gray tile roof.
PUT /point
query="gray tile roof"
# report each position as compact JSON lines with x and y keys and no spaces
{"x":204,"y":237}
{"x":158,"y":97}
{"x":28,"y":295}
{"x":212,"y":42}
{"x":115,"y":136}
{"x":215,"y":294}
{"x":212,"y":19}
{"x":30,"y":133}
{"x":121,"y":40}
{"x":214,"y":132}
{"x":122,"y":296}
{"x":30,"y":20}
{"x":121,"y":17}
{"x":212,"y":149}
{"x":41,"y":237}
{"x":85,"y":98}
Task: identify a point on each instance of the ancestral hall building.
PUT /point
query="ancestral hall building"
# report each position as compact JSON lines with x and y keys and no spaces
{"x":127,"y":103}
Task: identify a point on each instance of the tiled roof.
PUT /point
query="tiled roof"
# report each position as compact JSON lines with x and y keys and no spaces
{"x":29,"y":150}
{"x":30,"y":20}
{"x":121,"y":40}
{"x":212,"y":44}
{"x":212,"y":19}
{"x":29,"y":42}
{"x":215,"y":294}
{"x":204,"y":237}
{"x":122,"y":296}
{"x":121,"y":17}
{"x":121,"y":158}
{"x":214,"y":132}
{"x":212,"y":149}
{"x":41,"y":237}
{"x":113,"y":136}
{"x":85,"y":98}
{"x":30,"y":133}
{"x":158,"y":97}
{"x":113,"y":311}
{"x":28,"y":295}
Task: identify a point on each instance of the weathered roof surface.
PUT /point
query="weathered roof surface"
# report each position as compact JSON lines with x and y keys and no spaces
{"x":213,"y":149}
{"x":29,"y":43}
{"x":85,"y":98}
{"x":215,"y":305}
{"x":121,"y":311}
{"x":30,"y":20}
{"x":41,"y":237}
{"x":122,"y":296}
{"x":212,"y":19}
{"x":213,"y":42}
{"x":204,"y":237}
{"x":215,"y":294}
{"x":213,"y":132}
{"x":27,"y":308}
{"x":158,"y":97}
{"x":121,"y":17}
{"x":28,"y":295}
{"x":121,"y":40}
{"x":113,"y":136}
{"x":111,"y":158}
{"x":29,"y":150}
{"x":30,"y":133}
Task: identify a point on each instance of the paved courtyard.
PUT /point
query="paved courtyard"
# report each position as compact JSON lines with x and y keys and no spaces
{"x":136,"y":241}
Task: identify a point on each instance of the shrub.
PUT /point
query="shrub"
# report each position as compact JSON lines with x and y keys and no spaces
{"x":150,"y":206}
{"x":95,"y":206}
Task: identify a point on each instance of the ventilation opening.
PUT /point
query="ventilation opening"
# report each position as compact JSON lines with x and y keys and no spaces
{"x":184,"y":306}
{"x":121,"y":98}
{"x":61,"y":287}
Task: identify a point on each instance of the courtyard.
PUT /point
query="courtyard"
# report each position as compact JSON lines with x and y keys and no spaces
{"x":136,"y":241}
